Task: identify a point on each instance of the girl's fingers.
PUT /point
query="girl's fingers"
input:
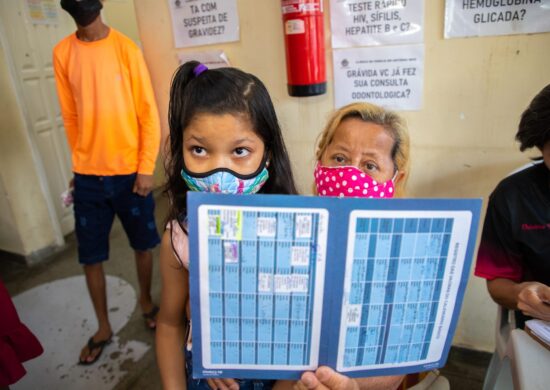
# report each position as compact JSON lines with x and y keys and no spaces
{"x":230,"y":383}
{"x":300,"y":386}
{"x":216,"y":384}
{"x":222,"y":384}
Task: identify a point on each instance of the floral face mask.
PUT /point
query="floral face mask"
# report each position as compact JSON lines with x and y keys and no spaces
{"x":226,"y":181}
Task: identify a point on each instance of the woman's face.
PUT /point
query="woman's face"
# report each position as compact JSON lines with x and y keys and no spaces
{"x":364,"y":145}
{"x":222,"y":141}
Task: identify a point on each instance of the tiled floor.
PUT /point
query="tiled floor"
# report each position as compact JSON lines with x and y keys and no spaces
{"x":142,"y":374}
{"x":465,"y":369}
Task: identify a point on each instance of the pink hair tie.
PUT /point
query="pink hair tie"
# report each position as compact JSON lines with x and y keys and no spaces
{"x":199,"y":69}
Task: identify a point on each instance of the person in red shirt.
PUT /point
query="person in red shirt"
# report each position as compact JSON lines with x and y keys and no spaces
{"x":17,"y":343}
{"x":113,"y":130}
{"x":514,"y":253}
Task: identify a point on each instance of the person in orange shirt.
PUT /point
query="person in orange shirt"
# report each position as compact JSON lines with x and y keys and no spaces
{"x":113,"y":130}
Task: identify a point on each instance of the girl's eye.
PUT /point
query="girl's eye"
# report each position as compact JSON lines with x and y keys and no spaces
{"x":241,"y":152}
{"x":198,"y":151}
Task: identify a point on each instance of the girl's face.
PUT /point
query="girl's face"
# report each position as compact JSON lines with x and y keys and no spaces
{"x":222,"y":141}
{"x":364,"y":145}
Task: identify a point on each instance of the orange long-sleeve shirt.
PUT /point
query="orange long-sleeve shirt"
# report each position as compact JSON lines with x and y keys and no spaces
{"x":108,"y":106}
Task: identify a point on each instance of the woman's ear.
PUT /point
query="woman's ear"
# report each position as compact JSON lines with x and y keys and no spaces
{"x":400,"y":176}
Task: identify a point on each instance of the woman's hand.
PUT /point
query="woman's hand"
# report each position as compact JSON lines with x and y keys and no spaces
{"x":533,"y":299}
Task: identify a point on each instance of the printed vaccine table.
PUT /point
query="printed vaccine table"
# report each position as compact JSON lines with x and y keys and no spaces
{"x":283,"y":284}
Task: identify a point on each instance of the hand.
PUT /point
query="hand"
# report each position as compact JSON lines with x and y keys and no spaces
{"x":222,"y":384}
{"x":534,"y":300}
{"x":325,"y":378}
{"x":143,"y":184}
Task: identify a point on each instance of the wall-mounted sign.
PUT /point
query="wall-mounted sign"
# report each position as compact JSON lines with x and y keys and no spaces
{"x":212,"y":58}
{"x":204,"y":22}
{"x":367,"y":23}
{"x":390,"y":76}
{"x":466,"y":18}
{"x":43,"y":11}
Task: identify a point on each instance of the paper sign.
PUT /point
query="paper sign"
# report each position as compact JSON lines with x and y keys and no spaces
{"x":42,"y":11}
{"x":212,"y":59}
{"x":391,"y":77}
{"x":367,"y":23}
{"x":204,"y":22}
{"x":466,"y":18}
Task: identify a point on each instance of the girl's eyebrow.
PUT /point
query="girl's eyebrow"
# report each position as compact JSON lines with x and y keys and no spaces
{"x":196,"y":138}
{"x":241,"y":140}
{"x":203,"y":139}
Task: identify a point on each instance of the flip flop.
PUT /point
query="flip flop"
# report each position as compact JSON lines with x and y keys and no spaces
{"x":151,"y":316}
{"x":92,"y":346}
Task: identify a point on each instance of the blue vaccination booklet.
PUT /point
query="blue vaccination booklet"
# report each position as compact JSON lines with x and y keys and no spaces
{"x":283,"y":284}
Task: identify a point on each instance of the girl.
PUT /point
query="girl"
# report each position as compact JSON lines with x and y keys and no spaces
{"x":362,"y":152}
{"x":224,"y":137}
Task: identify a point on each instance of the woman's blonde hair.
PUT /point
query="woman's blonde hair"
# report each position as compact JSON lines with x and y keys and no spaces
{"x":393,"y":123}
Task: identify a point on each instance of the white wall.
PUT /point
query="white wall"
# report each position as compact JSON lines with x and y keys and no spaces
{"x":120,"y":15}
{"x":462,"y":140}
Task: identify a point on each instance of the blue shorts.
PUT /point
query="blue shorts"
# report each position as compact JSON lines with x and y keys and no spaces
{"x":96,"y":201}
{"x":202,"y":384}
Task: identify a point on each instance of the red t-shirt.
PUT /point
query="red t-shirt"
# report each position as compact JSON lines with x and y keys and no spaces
{"x":17,"y":343}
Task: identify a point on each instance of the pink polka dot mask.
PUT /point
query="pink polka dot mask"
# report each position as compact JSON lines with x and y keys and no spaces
{"x":350,"y":181}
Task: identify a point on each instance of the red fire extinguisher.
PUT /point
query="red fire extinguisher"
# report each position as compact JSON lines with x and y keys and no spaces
{"x":305,"y":47}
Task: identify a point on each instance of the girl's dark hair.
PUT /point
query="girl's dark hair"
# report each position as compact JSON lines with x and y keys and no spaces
{"x":534,"y":126}
{"x":222,"y":91}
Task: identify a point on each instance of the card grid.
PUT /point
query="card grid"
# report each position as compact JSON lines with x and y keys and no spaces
{"x":394,"y":289}
{"x":261,"y":286}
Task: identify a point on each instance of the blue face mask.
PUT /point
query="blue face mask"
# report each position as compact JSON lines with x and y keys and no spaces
{"x":226,"y":181}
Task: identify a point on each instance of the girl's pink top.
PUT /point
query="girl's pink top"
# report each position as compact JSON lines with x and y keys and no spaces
{"x":180,"y":246}
{"x":180,"y":242}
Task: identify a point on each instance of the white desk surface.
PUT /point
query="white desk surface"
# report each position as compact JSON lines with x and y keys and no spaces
{"x":530,"y":362}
